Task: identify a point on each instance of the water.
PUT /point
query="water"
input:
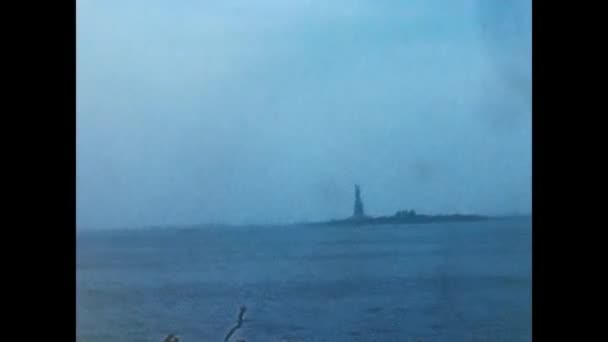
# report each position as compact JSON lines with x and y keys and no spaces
{"x":436,"y":282}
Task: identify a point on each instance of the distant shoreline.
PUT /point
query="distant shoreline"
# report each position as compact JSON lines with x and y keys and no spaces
{"x":411,"y":219}
{"x":369,"y":221}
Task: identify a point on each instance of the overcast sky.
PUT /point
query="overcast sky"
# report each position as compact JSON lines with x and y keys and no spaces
{"x":269,"y":111}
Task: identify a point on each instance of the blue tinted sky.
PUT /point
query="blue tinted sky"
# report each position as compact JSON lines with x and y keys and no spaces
{"x":270,"y":110}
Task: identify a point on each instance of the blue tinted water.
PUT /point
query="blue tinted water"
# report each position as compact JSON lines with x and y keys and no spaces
{"x":436,"y":282}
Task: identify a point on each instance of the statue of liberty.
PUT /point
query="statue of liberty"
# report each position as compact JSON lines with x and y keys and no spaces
{"x":358,"y":210}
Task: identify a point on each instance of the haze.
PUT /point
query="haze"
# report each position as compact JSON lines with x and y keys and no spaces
{"x":269,"y":111}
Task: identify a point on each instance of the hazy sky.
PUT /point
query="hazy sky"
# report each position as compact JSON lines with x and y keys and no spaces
{"x":270,"y":110}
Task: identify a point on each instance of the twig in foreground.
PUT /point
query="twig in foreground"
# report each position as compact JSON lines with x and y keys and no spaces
{"x":238,"y":323}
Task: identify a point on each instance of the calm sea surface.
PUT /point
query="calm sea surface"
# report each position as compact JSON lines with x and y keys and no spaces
{"x":435,"y":282}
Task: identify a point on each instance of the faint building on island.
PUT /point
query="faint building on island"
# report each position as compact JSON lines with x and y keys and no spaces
{"x":405,"y":213}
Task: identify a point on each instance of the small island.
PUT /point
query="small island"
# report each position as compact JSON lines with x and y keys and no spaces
{"x":401,"y":217}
